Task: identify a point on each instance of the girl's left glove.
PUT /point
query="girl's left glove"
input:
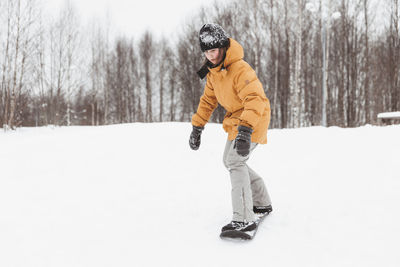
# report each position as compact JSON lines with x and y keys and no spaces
{"x":194,"y":140}
{"x":243,"y":140}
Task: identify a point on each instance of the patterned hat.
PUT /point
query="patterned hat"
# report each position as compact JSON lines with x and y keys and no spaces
{"x":212,"y":36}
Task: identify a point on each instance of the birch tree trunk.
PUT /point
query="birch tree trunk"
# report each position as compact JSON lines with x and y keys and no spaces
{"x":297,"y":79}
{"x":23,"y":39}
{"x":5,"y":85}
{"x":14,"y":80}
{"x":146,"y":52}
{"x":367,"y":63}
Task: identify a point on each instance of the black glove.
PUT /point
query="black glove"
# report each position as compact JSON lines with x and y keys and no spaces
{"x":194,"y":140}
{"x":243,"y":140}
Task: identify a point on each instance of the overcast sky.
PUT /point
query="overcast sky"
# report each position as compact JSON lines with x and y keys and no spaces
{"x":131,"y":17}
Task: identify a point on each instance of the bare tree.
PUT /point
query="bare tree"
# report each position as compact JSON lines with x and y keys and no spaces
{"x":121,"y":82}
{"x":172,"y":89}
{"x":73,"y":79}
{"x":146,"y":48}
{"x":5,"y":82}
{"x":99,"y":44}
{"x":297,"y":78}
{"x":65,"y":63}
{"x":394,"y":51}
{"x":40,"y":73}
{"x":133,"y":83}
{"x":366,"y":62}
{"x":20,"y":19}
{"x":165,"y":69}
{"x":286,"y":62}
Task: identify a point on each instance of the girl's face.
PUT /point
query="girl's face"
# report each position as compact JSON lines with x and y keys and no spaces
{"x":214,"y":55}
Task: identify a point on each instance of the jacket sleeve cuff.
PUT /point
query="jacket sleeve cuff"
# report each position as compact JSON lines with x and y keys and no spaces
{"x":246,"y":124}
{"x":198,"y":121}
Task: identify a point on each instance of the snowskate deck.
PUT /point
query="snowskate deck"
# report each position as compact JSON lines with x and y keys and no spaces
{"x":238,"y":235}
{"x":234,"y":234}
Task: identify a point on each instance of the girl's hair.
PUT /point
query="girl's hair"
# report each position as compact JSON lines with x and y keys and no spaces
{"x":207,"y":64}
{"x":224,"y":50}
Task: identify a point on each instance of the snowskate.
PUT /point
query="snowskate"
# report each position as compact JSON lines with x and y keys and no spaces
{"x":242,"y":230}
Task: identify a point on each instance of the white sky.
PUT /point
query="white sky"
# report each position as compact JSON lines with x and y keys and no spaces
{"x":131,"y":17}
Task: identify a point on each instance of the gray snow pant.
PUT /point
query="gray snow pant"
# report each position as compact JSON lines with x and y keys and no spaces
{"x":248,"y":187}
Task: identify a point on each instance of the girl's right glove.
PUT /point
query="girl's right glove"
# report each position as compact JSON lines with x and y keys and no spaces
{"x":194,"y":140}
{"x":243,"y":140}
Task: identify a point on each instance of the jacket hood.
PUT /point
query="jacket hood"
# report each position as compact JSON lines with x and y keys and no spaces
{"x":234,"y":53}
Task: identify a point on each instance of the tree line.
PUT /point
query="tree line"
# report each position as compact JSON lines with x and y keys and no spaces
{"x":320,"y":62}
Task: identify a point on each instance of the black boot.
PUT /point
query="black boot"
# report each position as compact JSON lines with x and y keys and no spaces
{"x":239,"y":226}
{"x":262,"y":210}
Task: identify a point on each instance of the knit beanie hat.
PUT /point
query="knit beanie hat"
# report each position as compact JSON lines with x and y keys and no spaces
{"x":212,"y":36}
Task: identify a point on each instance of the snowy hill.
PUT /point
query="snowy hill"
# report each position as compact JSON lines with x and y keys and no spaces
{"x":136,"y":195}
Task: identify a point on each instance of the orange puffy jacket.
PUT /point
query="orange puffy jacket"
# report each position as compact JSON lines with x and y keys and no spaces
{"x":234,"y":84}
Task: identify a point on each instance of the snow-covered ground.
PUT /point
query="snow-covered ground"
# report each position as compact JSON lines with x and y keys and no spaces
{"x":389,"y":115}
{"x":136,"y":195}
